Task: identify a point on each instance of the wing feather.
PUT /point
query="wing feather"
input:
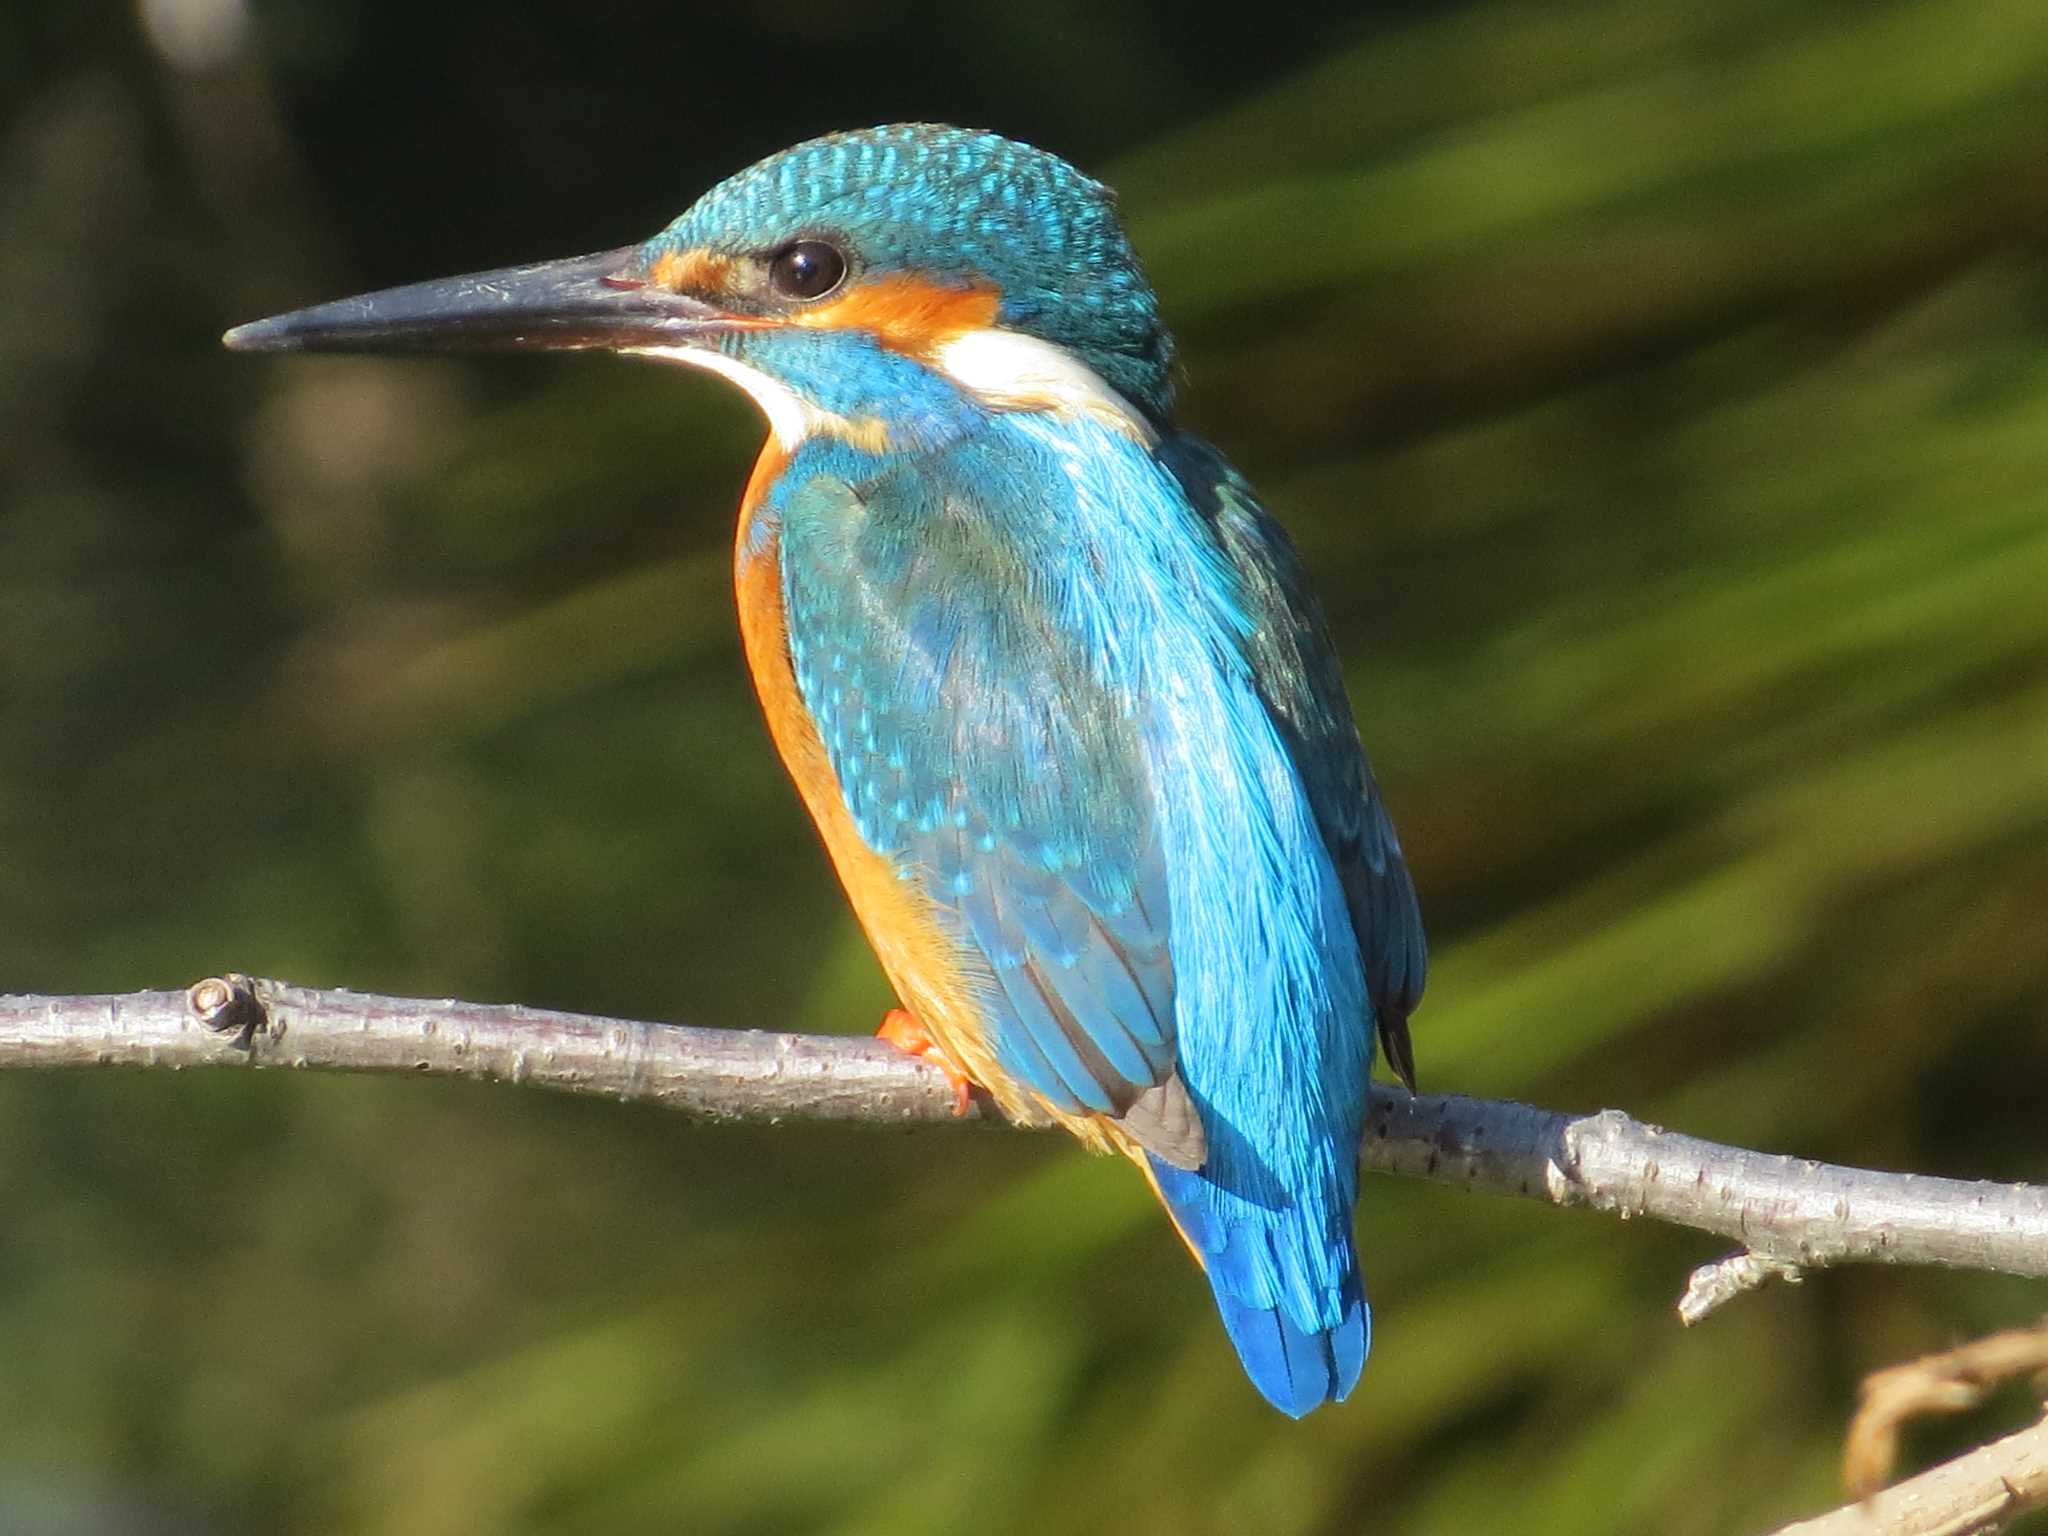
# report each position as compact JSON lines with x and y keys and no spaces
{"x":977,"y":746}
{"x":1303,"y":688}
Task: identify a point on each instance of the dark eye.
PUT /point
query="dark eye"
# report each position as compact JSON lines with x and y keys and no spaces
{"x":809,"y":269}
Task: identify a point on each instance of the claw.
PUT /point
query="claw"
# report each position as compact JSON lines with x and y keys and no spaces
{"x":903,"y":1029}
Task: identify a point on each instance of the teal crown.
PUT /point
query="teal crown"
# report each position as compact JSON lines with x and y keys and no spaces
{"x":958,"y":206}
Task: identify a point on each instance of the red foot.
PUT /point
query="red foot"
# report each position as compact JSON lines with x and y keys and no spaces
{"x":902,"y":1029}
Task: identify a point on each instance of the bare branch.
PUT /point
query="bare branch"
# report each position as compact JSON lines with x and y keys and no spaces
{"x":1973,"y":1495}
{"x":1787,"y":1213}
{"x":1953,"y":1381}
{"x":1801,"y":1214}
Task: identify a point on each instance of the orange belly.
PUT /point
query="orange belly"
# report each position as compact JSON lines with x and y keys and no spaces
{"x":938,"y":978}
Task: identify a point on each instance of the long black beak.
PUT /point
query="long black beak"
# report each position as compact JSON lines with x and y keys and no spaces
{"x":586,"y":301}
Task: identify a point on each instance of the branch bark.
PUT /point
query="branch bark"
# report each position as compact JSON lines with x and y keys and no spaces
{"x":1788,"y":1214}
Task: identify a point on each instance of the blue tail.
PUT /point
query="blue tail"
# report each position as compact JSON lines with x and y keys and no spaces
{"x":1303,"y":1344}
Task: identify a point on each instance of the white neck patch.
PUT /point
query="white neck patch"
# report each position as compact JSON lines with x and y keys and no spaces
{"x":791,"y":418}
{"x":1005,"y":370}
{"x":1011,"y":371}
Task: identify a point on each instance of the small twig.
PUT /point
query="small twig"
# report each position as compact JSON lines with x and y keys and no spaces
{"x":1786,"y":1212}
{"x":1713,"y":1286}
{"x":1951,"y":1382}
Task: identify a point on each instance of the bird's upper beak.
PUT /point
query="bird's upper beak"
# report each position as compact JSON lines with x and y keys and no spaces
{"x":586,"y":301}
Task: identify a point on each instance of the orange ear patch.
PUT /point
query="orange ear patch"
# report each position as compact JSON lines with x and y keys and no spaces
{"x":907,"y":314}
{"x":693,"y":271}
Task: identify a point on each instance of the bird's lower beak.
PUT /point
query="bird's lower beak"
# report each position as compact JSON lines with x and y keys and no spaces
{"x":586,"y":301}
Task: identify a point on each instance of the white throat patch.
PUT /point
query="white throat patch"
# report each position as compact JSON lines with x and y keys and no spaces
{"x":1011,"y":371}
{"x":791,"y":418}
{"x":1005,"y":370}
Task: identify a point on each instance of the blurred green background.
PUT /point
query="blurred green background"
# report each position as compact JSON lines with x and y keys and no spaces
{"x":1660,"y":395}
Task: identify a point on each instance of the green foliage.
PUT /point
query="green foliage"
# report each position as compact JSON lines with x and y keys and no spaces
{"x":1660,"y":395}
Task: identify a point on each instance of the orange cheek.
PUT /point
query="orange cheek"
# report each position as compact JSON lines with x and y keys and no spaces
{"x":906,"y":313}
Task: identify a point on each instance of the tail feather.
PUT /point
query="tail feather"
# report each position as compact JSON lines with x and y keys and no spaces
{"x":1296,"y":1369}
{"x":1298,"y":1362}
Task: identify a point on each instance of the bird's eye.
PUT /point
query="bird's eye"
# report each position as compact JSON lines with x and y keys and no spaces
{"x":809,"y":269}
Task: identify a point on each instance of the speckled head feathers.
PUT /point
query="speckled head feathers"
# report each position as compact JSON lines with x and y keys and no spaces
{"x":957,"y":207}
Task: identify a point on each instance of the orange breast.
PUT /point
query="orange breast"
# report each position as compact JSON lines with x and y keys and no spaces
{"x":938,"y":978}
{"x":927,"y":968}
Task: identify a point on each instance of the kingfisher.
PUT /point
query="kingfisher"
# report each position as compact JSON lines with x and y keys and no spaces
{"x":1047,"y":676}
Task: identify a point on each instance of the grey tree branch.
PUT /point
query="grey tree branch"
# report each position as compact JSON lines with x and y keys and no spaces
{"x":1788,"y":1214}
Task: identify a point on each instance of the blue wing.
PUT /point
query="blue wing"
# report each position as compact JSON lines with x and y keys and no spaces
{"x":1288,"y":643}
{"x":977,"y":746}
